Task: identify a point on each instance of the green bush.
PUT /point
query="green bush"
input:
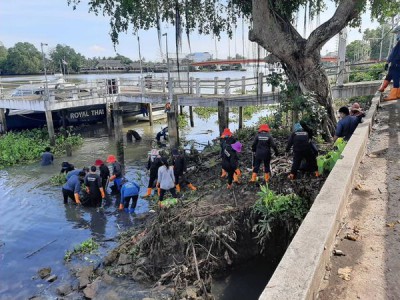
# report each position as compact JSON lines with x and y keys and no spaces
{"x":27,"y":146}
{"x":327,"y":162}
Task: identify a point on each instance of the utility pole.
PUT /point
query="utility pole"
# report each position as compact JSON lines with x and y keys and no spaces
{"x":46,"y":87}
{"x":380,"y":49}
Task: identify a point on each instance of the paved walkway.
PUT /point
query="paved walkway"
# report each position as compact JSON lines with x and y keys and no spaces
{"x":370,"y":235}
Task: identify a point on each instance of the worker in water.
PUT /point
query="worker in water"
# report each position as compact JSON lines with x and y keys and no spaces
{"x":153,"y":164}
{"x":393,"y":63}
{"x":179,"y":163}
{"x":94,"y":188}
{"x":116,"y":176}
{"x":166,"y":179}
{"x":301,"y":143}
{"x":261,"y":149}
{"x":129,"y":190}
{"x":104,"y":173}
{"x":230,"y":160}
{"x":47,"y":157}
{"x":72,"y":188}
{"x":163,"y":133}
{"x":66,"y":167}
{"x":76,"y":172}
{"x":346,"y":125}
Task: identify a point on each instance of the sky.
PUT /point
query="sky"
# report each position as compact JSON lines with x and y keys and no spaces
{"x":54,"y":22}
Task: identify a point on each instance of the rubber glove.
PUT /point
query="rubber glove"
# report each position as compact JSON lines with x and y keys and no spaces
{"x":77,"y":200}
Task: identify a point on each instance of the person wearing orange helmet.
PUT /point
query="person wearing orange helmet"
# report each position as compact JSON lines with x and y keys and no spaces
{"x":230,"y":161}
{"x":261,"y":148}
{"x":226,"y":140}
{"x":116,"y":173}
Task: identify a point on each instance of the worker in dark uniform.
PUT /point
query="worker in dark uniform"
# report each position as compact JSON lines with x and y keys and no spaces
{"x":94,"y":188}
{"x":116,"y":173}
{"x":179,"y":163}
{"x":153,"y":164}
{"x":261,"y":149}
{"x":393,"y":63}
{"x":163,"y":133}
{"x":230,"y":160}
{"x":72,"y":188}
{"x":104,"y":173}
{"x":47,"y":157}
{"x":226,"y":139}
{"x":300,"y":141}
{"x":129,"y":190}
{"x":66,"y":167}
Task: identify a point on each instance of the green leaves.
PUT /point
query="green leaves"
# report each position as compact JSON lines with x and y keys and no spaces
{"x":327,"y":162}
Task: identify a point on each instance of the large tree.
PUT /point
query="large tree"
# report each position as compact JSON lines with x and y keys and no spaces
{"x":271,"y":28}
{"x":23,"y":58}
{"x":66,"y":55}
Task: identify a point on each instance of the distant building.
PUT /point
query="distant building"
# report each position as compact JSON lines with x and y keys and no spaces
{"x":199,"y":56}
{"x":110,"y":64}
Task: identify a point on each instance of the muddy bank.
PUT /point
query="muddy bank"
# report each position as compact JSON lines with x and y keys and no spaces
{"x":177,"y":251}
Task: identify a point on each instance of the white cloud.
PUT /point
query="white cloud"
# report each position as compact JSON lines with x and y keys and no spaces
{"x":97,"y":49}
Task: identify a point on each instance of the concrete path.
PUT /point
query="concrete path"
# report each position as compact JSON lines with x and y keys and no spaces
{"x":370,"y":235}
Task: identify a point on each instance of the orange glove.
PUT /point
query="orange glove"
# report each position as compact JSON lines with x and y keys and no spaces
{"x":113,"y":177}
{"x":77,"y":199}
{"x":102,"y":193}
{"x":238,"y":172}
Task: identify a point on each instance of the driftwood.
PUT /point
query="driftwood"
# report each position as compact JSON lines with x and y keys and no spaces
{"x":41,"y":248}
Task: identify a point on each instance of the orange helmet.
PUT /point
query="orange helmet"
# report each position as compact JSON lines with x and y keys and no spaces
{"x":264,"y":127}
{"x":111,"y":158}
{"x":98,"y":162}
{"x":226,"y":132}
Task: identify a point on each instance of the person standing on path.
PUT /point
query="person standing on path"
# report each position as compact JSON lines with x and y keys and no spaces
{"x":72,"y":188}
{"x":261,"y":149}
{"x":47,"y":157}
{"x":129,"y":190}
{"x":94,"y":188}
{"x":166,"y":180}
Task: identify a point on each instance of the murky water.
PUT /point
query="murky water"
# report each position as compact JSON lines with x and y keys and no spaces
{"x":33,"y":214}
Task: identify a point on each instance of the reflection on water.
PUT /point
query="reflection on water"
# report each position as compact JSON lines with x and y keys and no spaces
{"x":33,"y":213}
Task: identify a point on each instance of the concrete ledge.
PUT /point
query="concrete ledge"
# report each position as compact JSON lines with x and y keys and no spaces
{"x":299,"y":273}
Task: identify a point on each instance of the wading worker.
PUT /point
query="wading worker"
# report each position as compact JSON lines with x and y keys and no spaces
{"x":129,"y":190}
{"x":77,"y":171}
{"x":47,"y":157}
{"x":300,"y":141}
{"x":347,"y":124}
{"x":116,"y":173}
{"x":72,"y":188}
{"x":261,"y":149}
{"x":94,"y":188}
{"x":104,"y":173}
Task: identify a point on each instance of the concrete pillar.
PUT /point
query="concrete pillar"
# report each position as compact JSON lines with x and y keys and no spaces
{"x":240,"y":117}
{"x":260,"y":84}
{"x":109,"y":119}
{"x":50,"y":127}
{"x":198,"y":87}
{"x":150,"y":114}
{"x":119,"y":138}
{"x":342,"y":57}
{"x":172,"y":117}
{"x":191,"y":116}
{"x":222,"y":120}
{"x":215,"y":85}
{"x":243,"y":85}
{"x":3,"y":121}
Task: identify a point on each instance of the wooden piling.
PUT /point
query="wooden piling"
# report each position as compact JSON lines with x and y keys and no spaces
{"x":191,"y":116}
{"x":3,"y":122}
{"x":181,"y":110}
{"x":50,"y":127}
{"x":150,"y":107}
{"x":109,"y":119}
{"x":215,"y":85}
{"x":222,"y":121}
{"x":172,"y":117}
{"x":240,"y":117}
{"x":119,"y":139}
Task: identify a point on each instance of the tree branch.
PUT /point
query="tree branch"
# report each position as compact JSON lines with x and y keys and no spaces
{"x":346,"y":11}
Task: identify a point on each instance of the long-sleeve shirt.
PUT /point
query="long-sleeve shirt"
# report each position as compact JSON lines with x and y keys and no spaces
{"x":300,"y":140}
{"x":73,"y":184}
{"x":262,"y":144}
{"x":346,"y":126}
{"x":166,"y":177}
{"x":73,"y":172}
{"x":104,"y":172}
{"x":394,"y":56}
{"x":129,"y":189}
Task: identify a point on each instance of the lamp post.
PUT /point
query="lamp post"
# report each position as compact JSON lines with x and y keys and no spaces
{"x":169,"y":74}
{"x":46,"y":88}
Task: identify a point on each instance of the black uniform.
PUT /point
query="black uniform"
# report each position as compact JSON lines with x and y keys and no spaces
{"x":262,"y":145}
{"x":300,"y":140}
{"x":152,"y":165}
{"x":104,"y":174}
{"x":227,"y":141}
{"x":117,"y":172}
{"x":179,"y":164}
{"x":230,"y":161}
{"x":93,"y":182}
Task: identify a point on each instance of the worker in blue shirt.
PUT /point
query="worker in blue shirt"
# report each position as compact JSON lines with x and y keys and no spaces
{"x":129,"y":190}
{"x":77,"y":171}
{"x":47,"y":157}
{"x":72,"y":188}
{"x":347,"y":124}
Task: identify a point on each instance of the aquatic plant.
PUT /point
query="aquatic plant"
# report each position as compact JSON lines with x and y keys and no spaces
{"x":87,"y":246}
{"x":274,"y":209}
{"x":27,"y":146}
{"x":183,"y":120}
{"x":205,"y":112}
{"x":58,"y":179}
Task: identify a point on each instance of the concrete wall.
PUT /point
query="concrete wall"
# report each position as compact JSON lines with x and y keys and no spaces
{"x":299,"y":274}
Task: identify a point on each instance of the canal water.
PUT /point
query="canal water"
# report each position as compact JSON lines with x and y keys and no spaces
{"x":34,"y":217}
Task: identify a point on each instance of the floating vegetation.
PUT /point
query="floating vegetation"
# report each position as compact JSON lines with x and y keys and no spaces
{"x":86,"y":247}
{"x":205,"y":112}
